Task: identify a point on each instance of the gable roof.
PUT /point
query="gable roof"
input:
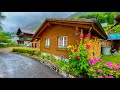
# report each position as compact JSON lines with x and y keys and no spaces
{"x":72,"y":21}
{"x":25,"y":31}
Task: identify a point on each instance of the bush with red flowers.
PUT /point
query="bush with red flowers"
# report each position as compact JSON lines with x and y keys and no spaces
{"x":78,"y":61}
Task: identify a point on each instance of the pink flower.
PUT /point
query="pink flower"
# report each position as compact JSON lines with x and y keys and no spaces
{"x":88,"y":35}
{"x":75,"y":49}
{"x":115,"y":68}
{"x":87,"y":46}
{"x":111,"y":77}
{"x":94,"y":73}
{"x":81,"y":36}
{"x":91,"y":60}
{"x":99,"y":60}
{"x":77,"y":57}
{"x":100,"y":71}
{"x":106,"y":76}
{"x":94,"y":62}
{"x":109,"y":64}
{"x":99,"y":76}
{"x":118,"y":64}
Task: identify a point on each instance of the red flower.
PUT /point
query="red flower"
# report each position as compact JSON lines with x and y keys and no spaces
{"x":87,"y":46}
{"x":75,"y":49}
{"x":81,"y":36}
{"x":77,"y":57}
{"x":88,"y":35}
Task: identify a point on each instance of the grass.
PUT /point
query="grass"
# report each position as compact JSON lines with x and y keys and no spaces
{"x":115,"y":58}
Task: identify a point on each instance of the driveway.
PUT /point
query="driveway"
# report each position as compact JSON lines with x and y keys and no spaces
{"x":18,"y":66}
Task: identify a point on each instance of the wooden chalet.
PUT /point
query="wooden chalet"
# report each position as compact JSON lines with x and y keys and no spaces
{"x":25,"y":36}
{"x":55,"y":34}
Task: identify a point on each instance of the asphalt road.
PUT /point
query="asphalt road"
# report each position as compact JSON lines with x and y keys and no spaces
{"x":18,"y":66}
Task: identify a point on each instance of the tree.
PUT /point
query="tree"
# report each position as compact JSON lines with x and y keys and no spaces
{"x":102,"y":17}
{"x":3,"y":38}
{"x":2,"y":17}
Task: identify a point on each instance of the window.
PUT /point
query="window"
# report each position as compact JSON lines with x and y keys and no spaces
{"x":47,"y":42}
{"x":28,"y":38}
{"x":62,"y":41}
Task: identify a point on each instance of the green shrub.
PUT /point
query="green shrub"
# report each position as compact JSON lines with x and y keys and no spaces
{"x":2,"y":46}
{"x":11,"y":44}
{"x":78,"y":61}
{"x":30,"y":51}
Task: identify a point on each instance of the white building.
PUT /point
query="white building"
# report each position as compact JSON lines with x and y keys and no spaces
{"x":14,"y":38}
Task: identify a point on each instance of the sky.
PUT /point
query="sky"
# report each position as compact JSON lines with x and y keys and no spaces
{"x":14,"y":20}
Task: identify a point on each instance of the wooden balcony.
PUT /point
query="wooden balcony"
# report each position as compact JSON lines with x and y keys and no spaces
{"x":20,"y":40}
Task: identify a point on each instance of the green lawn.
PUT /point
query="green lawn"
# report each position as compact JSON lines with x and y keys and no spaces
{"x":115,"y":58}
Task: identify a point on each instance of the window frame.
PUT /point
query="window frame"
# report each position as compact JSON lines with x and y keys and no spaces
{"x":63,"y":42}
{"x":47,"y":42}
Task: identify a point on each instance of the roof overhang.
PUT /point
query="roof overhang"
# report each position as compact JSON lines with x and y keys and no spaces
{"x":80,"y":23}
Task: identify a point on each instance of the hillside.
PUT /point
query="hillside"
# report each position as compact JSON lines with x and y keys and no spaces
{"x":33,"y":25}
{"x":79,"y":13}
{"x":102,"y":17}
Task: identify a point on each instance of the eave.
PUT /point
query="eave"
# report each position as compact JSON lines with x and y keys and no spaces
{"x":80,"y":24}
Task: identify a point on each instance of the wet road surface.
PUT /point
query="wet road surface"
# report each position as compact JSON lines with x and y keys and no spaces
{"x":18,"y":66}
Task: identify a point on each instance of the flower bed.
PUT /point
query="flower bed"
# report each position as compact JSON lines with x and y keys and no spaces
{"x":79,"y":63}
{"x":98,"y":69}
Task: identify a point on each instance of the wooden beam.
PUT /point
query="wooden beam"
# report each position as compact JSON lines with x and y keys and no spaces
{"x":71,"y":22}
{"x":73,"y":25}
{"x":49,"y":24}
{"x":42,"y":28}
{"x":44,"y":31}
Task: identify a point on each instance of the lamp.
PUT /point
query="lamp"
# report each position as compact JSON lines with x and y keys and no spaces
{"x":76,"y":33}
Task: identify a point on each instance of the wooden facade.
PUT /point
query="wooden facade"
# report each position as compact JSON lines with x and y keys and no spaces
{"x":54,"y":28}
{"x":25,"y":36}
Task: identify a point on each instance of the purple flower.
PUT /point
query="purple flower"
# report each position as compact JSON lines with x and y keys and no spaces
{"x":100,"y":71}
{"x":99,"y":76}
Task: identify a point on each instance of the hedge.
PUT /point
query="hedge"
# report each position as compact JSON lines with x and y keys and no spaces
{"x":30,"y":51}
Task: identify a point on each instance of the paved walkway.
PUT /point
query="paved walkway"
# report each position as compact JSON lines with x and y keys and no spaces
{"x":18,"y":66}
